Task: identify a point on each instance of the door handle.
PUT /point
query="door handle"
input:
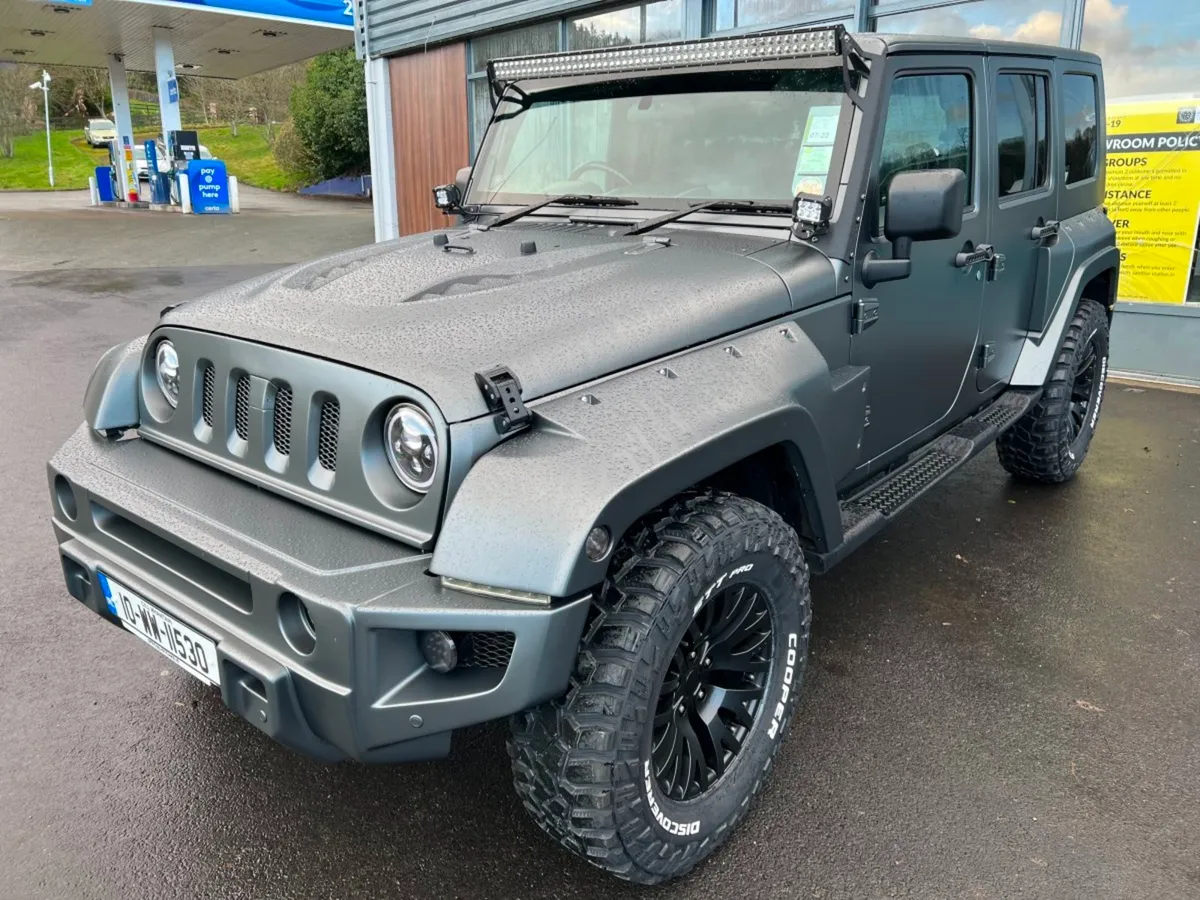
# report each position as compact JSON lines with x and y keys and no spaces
{"x":1040,"y":233}
{"x":981,"y":253}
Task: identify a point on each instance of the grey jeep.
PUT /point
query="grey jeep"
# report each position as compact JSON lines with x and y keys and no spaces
{"x":708,"y":315}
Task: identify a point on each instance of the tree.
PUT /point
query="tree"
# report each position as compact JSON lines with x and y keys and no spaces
{"x":330,"y":113}
{"x":269,"y":93}
{"x":17,"y":109}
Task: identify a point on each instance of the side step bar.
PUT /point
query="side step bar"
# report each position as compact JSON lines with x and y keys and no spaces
{"x":866,"y":512}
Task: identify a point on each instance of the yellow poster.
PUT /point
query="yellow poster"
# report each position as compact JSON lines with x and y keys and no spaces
{"x":1153,"y":194}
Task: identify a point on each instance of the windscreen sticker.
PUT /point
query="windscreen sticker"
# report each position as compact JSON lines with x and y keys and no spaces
{"x":822,"y":125}
{"x":816,"y":150}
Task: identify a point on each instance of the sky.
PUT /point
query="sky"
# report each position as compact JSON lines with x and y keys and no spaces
{"x":1148,"y":46}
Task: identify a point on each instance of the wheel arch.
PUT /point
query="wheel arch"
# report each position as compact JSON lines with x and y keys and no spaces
{"x":522,"y":514}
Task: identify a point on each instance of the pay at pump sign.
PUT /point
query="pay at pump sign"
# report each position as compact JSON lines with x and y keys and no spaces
{"x":208,"y":186}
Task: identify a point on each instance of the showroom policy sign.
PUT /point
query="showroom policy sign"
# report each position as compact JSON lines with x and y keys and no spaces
{"x":1152,"y":191}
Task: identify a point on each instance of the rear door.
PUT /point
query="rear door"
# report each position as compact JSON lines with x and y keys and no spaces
{"x":1022,"y":196}
{"x":921,"y":346}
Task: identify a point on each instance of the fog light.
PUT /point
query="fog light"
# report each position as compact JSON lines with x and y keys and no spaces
{"x":439,"y":650}
{"x":598,"y":543}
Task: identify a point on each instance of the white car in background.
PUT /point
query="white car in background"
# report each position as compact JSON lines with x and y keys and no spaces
{"x":164,"y":164}
{"x":99,"y":132}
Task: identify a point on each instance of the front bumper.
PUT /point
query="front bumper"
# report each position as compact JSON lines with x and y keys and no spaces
{"x":218,"y":553}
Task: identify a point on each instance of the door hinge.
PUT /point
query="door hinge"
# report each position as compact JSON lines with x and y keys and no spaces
{"x":502,"y":391}
{"x":987,"y":353}
{"x":866,"y":314}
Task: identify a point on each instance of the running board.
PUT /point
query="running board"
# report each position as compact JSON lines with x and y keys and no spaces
{"x":881,"y":501}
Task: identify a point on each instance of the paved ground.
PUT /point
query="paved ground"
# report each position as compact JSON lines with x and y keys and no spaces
{"x":1003,"y":701}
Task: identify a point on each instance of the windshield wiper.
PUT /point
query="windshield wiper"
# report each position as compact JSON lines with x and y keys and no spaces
{"x":564,"y":200}
{"x":713,"y":206}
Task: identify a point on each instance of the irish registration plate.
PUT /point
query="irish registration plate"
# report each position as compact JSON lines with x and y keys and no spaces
{"x":187,"y":647}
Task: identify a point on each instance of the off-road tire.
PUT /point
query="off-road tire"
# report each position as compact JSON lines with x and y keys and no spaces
{"x":580,"y":763}
{"x":1040,"y":446}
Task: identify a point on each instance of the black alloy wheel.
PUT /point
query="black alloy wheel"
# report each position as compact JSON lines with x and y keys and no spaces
{"x":1083,"y":389}
{"x":712,"y":692}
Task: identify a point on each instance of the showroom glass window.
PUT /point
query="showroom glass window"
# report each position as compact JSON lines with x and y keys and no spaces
{"x":727,"y":14}
{"x":1079,"y":127}
{"x":541,"y":38}
{"x":1022,"y":126}
{"x":661,"y":21}
{"x":1033,"y":21}
{"x":930,"y":125}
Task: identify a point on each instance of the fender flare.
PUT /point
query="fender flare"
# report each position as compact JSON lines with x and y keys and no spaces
{"x":111,"y":399}
{"x":521,"y":517}
{"x":1038,"y":354}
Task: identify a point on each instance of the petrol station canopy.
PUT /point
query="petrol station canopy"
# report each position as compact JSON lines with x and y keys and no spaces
{"x":214,"y":38}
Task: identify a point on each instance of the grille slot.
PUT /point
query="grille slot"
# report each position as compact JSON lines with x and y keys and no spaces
{"x":328,"y":434}
{"x":282,"y":420}
{"x":485,"y":649}
{"x":209,"y":379}
{"x":241,"y":408}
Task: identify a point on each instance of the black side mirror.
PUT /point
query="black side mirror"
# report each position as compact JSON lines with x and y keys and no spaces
{"x":925,"y":205}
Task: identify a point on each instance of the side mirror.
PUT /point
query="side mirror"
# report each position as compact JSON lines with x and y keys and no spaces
{"x":461,"y":180}
{"x":922,"y":206}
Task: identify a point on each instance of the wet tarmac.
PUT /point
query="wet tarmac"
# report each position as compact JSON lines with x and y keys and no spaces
{"x":1004,"y":699}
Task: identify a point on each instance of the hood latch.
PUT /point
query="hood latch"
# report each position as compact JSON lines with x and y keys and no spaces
{"x":502,"y":391}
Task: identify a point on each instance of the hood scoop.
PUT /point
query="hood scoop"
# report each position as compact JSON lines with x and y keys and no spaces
{"x":464,"y":284}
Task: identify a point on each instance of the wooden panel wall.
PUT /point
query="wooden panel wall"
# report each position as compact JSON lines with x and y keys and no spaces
{"x":429,"y":122}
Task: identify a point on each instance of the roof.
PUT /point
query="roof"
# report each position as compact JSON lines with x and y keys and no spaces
{"x":216,"y":42}
{"x":933,"y":43}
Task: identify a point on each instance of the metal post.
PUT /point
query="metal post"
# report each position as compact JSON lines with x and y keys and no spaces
{"x":46,"y":103}
{"x":168,"y":85}
{"x":382,"y":144}
{"x":126,"y":171}
{"x":44,"y":87}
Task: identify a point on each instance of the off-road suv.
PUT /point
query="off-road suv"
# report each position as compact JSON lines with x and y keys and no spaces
{"x":712,"y":314}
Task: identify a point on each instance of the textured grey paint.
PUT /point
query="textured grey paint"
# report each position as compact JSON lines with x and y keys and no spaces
{"x":588,"y":303}
{"x":648,"y":437}
{"x":366,"y":596}
{"x":111,"y":398}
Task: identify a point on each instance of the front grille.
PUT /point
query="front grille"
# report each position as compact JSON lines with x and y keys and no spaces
{"x":241,"y":408}
{"x":485,"y":649}
{"x":328,"y":434}
{"x":210,"y":377}
{"x":282,"y":420}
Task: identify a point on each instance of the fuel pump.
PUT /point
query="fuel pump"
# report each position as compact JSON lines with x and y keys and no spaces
{"x":182,"y":146}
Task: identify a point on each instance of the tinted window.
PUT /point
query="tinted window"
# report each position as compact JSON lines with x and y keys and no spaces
{"x":929,"y":126}
{"x":1022,"y":125}
{"x":1079,"y":121}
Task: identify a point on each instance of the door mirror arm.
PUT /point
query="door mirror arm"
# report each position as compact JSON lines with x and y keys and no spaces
{"x":922,"y":206}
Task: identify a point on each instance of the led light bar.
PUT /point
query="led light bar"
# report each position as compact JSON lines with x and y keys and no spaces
{"x":796,"y":44}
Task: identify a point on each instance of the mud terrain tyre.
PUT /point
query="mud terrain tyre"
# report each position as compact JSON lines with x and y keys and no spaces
{"x":1048,"y":444}
{"x":684,"y":687}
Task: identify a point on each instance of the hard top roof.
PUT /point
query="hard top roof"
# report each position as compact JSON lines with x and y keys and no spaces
{"x":934,"y":43}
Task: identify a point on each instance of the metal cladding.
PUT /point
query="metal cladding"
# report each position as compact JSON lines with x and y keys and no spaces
{"x":799,"y":44}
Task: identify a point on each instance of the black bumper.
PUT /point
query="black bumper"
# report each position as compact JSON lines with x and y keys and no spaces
{"x":218,"y":553}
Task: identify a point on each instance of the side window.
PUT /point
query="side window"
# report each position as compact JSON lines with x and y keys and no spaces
{"x":1022,"y":119}
{"x":929,"y":126}
{"x":1079,"y":126}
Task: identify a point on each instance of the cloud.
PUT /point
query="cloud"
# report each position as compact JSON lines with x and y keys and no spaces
{"x":1145,"y":59}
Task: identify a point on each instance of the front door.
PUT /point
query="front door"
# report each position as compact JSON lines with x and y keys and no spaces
{"x":1024,"y":209}
{"x":921,"y":347}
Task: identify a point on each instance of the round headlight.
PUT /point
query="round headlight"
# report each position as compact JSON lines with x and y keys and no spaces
{"x":412,"y":446}
{"x":166,"y":371}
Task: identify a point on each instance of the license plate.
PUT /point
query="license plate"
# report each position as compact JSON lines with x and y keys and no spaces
{"x":187,"y":647}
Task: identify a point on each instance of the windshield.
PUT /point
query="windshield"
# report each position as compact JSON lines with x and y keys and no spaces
{"x":761,"y":135}
{"x":102,"y":123}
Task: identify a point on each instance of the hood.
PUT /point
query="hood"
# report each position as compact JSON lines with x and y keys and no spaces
{"x":558,"y":304}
